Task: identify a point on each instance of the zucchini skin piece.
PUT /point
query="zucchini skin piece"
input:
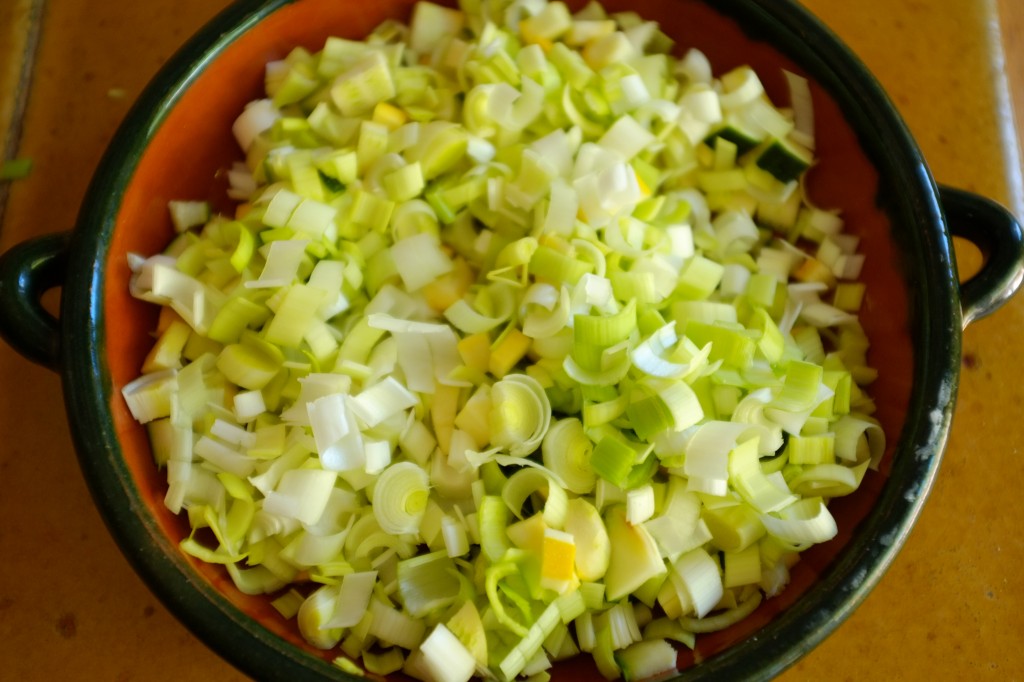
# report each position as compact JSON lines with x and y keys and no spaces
{"x":784,"y":160}
{"x":743,"y":140}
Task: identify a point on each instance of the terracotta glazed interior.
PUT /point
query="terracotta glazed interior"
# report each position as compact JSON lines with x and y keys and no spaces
{"x":194,"y":144}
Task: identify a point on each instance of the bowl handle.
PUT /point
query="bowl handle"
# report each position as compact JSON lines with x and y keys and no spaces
{"x":27,"y":271}
{"x":999,"y":237}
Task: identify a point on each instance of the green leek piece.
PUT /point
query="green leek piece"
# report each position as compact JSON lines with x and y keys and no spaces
{"x":722,"y":620}
{"x":698,"y":278}
{"x":613,"y":459}
{"x":733,"y":346}
{"x":646,"y":659}
{"x":552,"y":266}
{"x":294,"y":316}
{"x":235,"y":316}
{"x":493,"y":518}
{"x":811,"y":450}
{"x":357,"y":90}
{"x":405,"y":183}
{"x":427,"y":583}
{"x":604,"y":656}
{"x":15,"y":169}
{"x":659,"y":406}
{"x":467,"y":626}
{"x":733,"y":528}
{"x":251,"y":366}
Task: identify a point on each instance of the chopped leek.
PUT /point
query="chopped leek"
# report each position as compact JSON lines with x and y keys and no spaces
{"x":525,"y":321}
{"x":446,"y":657}
{"x":646,"y":659}
{"x":400,"y":498}
{"x":593,"y":548}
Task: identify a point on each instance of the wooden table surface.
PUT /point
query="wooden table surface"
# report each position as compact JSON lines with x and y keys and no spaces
{"x":950,"y":608}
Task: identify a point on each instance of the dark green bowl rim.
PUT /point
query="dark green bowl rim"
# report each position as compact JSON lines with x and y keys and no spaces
{"x":925,"y":244}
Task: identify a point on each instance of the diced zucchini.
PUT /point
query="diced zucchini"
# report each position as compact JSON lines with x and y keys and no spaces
{"x":744,"y":139}
{"x":784,"y":159}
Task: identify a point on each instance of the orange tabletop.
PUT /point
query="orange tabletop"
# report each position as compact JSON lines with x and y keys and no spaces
{"x":950,"y":608}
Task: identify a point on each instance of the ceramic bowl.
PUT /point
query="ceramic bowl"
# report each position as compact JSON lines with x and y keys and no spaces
{"x":176,"y":139}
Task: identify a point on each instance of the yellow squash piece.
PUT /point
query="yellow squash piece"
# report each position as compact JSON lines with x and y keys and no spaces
{"x":508,"y":351}
{"x":593,"y":549}
{"x":558,"y":560}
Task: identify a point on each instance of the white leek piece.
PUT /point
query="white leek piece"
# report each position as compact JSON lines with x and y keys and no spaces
{"x":382,"y":401}
{"x":302,"y":494}
{"x":313,"y":615}
{"x":400,"y":498}
{"x":806,"y":521}
{"x":520,"y":414}
{"x":337,"y":439}
{"x":697,"y":575}
{"x":353,"y":599}
{"x":419,"y":260}
{"x":445,"y":656}
{"x":257,"y":117}
{"x":566,"y":451}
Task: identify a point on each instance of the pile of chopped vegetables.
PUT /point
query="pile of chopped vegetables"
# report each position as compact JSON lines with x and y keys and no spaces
{"x":524,"y":340}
